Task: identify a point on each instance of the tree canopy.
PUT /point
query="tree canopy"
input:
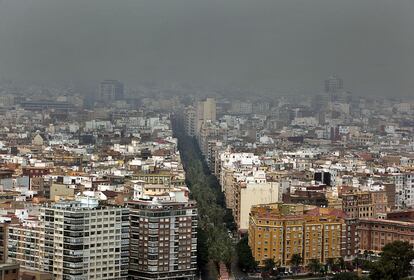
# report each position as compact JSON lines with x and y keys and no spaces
{"x":269,"y":265}
{"x":246,"y":260}
{"x":345,"y":276}
{"x":214,"y":242}
{"x":394,"y":262}
{"x":296,"y":260}
{"x":314,"y":265}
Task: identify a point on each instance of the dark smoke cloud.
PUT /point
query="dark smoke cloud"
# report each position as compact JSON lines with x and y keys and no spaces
{"x":285,"y":45}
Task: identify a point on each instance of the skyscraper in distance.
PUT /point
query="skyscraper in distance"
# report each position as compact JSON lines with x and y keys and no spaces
{"x":206,"y":111}
{"x":111,"y":90}
{"x":333,"y":84}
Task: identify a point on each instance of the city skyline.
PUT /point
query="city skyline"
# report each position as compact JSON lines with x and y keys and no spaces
{"x":282,"y":46}
{"x":206,"y":139}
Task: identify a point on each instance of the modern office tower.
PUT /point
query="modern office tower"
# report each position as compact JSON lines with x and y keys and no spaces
{"x":83,"y":240}
{"x":163,"y":241}
{"x":277,"y":231}
{"x":190,"y":121}
{"x":110,"y":90}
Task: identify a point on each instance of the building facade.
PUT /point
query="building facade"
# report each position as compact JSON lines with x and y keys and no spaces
{"x":374,"y":234}
{"x":206,"y":111}
{"x":278,"y":231}
{"x":111,"y":90}
{"x":83,"y":240}
{"x":25,"y":245}
{"x":190,"y":121}
{"x":163,"y":242}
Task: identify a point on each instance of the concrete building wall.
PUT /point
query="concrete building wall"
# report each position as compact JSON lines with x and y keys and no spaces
{"x":90,"y":243}
{"x":60,"y":190}
{"x":374,"y":234}
{"x":254,"y":194}
{"x":279,"y":231}
{"x":9,"y":272}
{"x":163,"y":240}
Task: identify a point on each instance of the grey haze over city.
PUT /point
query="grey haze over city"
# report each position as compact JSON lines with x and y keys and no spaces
{"x":206,"y":139}
{"x":282,"y":45}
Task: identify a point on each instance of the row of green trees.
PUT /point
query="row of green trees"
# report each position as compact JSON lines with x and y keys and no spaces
{"x":394,"y":263}
{"x":215,"y":221}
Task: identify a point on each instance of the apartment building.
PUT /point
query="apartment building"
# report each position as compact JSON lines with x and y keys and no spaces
{"x":404,"y":188}
{"x":206,"y":111}
{"x":163,"y":238}
{"x":366,"y":204}
{"x":84,"y":241}
{"x":190,"y":121}
{"x":244,"y":188}
{"x":208,"y":133}
{"x":25,"y":245}
{"x":374,"y":234}
{"x":249,"y":193}
{"x":278,"y":231}
{"x":154,"y":178}
{"x":3,"y":242}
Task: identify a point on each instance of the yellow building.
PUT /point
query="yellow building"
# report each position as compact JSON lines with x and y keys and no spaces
{"x":161,"y":177}
{"x":278,"y":231}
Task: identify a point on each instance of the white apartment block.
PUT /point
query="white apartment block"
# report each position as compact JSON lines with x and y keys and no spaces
{"x":404,"y":189}
{"x":85,"y":241}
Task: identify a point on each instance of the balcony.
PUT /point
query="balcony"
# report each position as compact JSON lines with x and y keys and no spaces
{"x":125,"y":236}
{"x":74,"y":227}
{"x":152,"y":262}
{"x":73,"y":252}
{"x":71,"y":265}
{"x":153,"y":250}
{"x":73,"y":240}
{"x":75,"y":277}
{"x":153,"y":232}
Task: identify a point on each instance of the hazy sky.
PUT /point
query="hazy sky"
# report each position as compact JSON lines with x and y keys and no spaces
{"x":285,"y":45}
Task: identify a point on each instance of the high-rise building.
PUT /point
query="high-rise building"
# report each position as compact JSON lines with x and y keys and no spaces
{"x":190,"y":121}
{"x":83,"y":240}
{"x":110,"y":90}
{"x":24,"y":245}
{"x":333,"y":84}
{"x":3,"y":242}
{"x":278,"y":231}
{"x":206,"y":111}
{"x":163,"y":238}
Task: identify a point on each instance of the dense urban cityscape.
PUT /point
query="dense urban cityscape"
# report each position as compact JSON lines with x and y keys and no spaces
{"x":206,"y":140}
{"x":161,"y":185}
